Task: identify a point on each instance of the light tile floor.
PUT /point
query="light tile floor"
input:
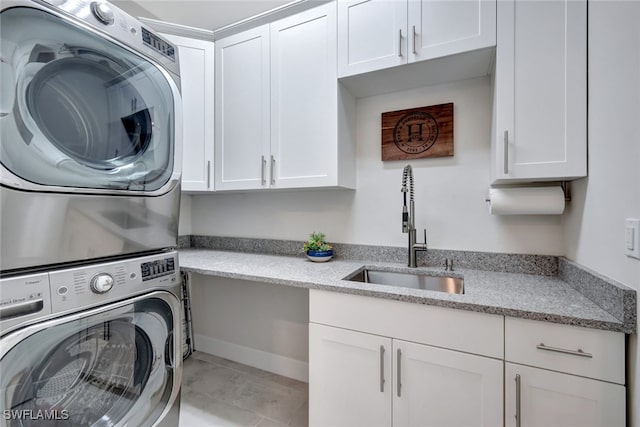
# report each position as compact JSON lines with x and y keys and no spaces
{"x":219,"y":392}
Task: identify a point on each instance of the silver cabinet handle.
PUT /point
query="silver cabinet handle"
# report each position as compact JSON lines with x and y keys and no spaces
{"x":578,"y":352}
{"x":208,"y":174}
{"x":399,"y":364}
{"x":263,"y":163}
{"x":273,"y":166}
{"x":518,"y":396}
{"x":400,"y":43}
{"x":413,"y":36}
{"x":381,"y":369}
{"x":506,"y":152}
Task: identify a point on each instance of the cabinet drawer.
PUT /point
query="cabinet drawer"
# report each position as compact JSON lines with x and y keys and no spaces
{"x":461,"y":330}
{"x":552,"y":399}
{"x":580,"y":351}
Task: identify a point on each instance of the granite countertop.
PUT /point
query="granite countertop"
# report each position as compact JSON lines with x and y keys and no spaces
{"x":545,"y":298}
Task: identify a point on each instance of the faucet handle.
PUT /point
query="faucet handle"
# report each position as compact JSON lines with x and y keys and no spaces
{"x":448,"y":264}
{"x":422,"y":246}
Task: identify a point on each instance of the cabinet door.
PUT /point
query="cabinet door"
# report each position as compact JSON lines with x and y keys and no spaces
{"x":197,"y":88}
{"x":372,"y":34}
{"x":304,"y":102}
{"x":443,"y":27}
{"x":541,"y":88}
{"x":438,"y":387}
{"x":553,"y":399}
{"x":349,"y":378}
{"x":242,"y":110}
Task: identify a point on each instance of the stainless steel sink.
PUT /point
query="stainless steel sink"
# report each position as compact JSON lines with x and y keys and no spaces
{"x":452,"y":285}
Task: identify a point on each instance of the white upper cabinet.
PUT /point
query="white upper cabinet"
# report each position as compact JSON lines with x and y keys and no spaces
{"x":197,"y":88}
{"x":304,"y":104}
{"x":242,"y":110}
{"x":439,"y":28}
{"x":377,"y":34}
{"x":540,"y":130}
{"x":282,"y":120}
{"x":371,"y":35}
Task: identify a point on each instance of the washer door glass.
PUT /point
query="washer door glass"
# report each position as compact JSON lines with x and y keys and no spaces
{"x":80,"y":111}
{"x":110,"y":368}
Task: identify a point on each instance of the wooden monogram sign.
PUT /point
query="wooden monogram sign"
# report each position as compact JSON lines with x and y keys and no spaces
{"x":417,"y":133}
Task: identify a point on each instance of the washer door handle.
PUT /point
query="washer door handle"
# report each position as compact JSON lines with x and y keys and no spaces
{"x":169,"y":351}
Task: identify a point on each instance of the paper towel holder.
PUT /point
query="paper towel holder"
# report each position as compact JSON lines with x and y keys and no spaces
{"x":565,"y":189}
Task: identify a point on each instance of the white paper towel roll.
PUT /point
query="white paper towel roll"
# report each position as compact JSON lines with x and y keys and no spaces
{"x":526,"y":201}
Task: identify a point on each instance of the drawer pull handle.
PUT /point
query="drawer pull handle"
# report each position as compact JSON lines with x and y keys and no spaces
{"x":381,"y":369}
{"x":399,"y":380}
{"x":518,"y":400}
{"x":578,"y":352}
{"x":505,"y":152}
{"x":414,"y":41}
{"x":271,"y":171}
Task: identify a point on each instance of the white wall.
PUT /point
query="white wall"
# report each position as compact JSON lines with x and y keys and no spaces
{"x":449,"y":191}
{"x":594,"y":224}
{"x":257,"y":324}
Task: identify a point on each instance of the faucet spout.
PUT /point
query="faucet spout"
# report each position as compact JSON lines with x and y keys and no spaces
{"x":407,"y":213}
{"x":408,"y":217}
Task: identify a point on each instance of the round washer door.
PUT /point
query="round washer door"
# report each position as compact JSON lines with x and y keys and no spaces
{"x":112,"y":366}
{"x":82,"y":112}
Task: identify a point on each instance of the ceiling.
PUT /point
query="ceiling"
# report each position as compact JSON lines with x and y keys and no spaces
{"x":204,"y":14}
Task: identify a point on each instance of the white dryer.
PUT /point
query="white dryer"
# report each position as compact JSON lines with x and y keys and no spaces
{"x":90,"y":128}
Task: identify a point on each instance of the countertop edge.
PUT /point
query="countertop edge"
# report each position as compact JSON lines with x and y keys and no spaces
{"x":488,"y":309}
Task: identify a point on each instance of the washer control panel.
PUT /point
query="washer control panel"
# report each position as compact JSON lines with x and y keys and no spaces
{"x":102,"y":11}
{"x":158,"y":44}
{"x":23,"y":298}
{"x":158,"y":268}
{"x":110,"y":19}
{"x":100,"y":283}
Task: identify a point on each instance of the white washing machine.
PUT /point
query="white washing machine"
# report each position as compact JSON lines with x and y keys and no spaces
{"x":99,"y":345}
{"x":90,"y":135}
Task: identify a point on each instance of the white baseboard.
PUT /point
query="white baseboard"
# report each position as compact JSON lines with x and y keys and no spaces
{"x":271,"y":362}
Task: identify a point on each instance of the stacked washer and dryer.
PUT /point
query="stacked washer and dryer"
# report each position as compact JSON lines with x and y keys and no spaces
{"x":90,"y":126}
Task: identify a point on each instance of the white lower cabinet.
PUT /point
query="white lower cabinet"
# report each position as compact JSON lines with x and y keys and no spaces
{"x":378,"y":362}
{"x":359,"y":379}
{"x":542,"y":398}
{"x":435,"y":387}
{"x":574,"y":376}
{"x":349,"y":378}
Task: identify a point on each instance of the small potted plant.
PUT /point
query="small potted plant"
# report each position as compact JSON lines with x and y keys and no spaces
{"x":317,"y":249}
